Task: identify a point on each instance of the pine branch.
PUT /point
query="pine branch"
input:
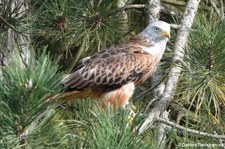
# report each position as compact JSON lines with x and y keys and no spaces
{"x":170,"y":12}
{"x":221,"y":15}
{"x":175,"y":70}
{"x":153,"y":10}
{"x":8,"y":24}
{"x":162,"y":9}
{"x":172,"y":2}
{"x":222,"y":9}
{"x":220,"y":140}
{"x":191,"y":131}
{"x":135,"y":6}
{"x":175,"y":26}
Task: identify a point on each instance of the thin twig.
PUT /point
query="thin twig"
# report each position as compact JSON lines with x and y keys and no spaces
{"x":170,"y":12}
{"x":22,"y":58}
{"x":162,"y":9}
{"x":192,"y":131}
{"x":216,"y":9}
{"x":178,"y":3}
{"x":7,"y":23}
{"x":222,"y":9}
{"x":135,"y":6}
{"x":175,"y":26}
{"x":150,"y":89}
{"x":149,"y":104}
{"x":221,"y":142}
{"x":179,"y":117}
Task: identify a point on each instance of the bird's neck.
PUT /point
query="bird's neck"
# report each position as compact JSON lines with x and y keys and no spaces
{"x":155,"y":47}
{"x":157,"y":50}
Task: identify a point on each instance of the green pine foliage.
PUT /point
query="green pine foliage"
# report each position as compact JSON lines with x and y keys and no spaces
{"x":12,"y":18}
{"x":84,"y":27}
{"x":201,"y":89}
{"x":23,"y":89}
{"x":90,"y":126}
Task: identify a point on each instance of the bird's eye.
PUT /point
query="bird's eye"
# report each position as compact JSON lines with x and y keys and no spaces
{"x":156,"y":28}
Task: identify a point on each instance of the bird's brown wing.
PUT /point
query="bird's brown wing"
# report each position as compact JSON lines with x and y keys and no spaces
{"x":110,"y":69}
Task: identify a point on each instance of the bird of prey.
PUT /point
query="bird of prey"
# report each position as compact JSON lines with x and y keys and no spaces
{"x":110,"y":75}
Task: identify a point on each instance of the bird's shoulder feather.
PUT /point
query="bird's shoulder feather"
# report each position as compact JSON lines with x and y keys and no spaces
{"x":112,"y":68}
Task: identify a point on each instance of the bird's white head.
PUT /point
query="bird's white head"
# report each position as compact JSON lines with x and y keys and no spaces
{"x":157,"y":31}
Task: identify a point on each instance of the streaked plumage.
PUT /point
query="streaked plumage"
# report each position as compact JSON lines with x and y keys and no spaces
{"x":111,"y":74}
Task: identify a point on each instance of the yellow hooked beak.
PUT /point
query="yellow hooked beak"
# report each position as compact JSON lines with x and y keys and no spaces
{"x":166,"y":34}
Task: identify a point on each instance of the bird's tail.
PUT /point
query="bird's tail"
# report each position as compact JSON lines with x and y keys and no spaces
{"x":67,"y":96}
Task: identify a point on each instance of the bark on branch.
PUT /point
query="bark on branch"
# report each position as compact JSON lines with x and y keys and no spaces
{"x":135,"y":6}
{"x":175,"y":70}
{"x":153,"y":10}
{"x":219,"y":13}
{"x":191,"y":131}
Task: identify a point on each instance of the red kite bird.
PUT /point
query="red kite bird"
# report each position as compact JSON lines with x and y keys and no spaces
{"x":111,"y":75}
